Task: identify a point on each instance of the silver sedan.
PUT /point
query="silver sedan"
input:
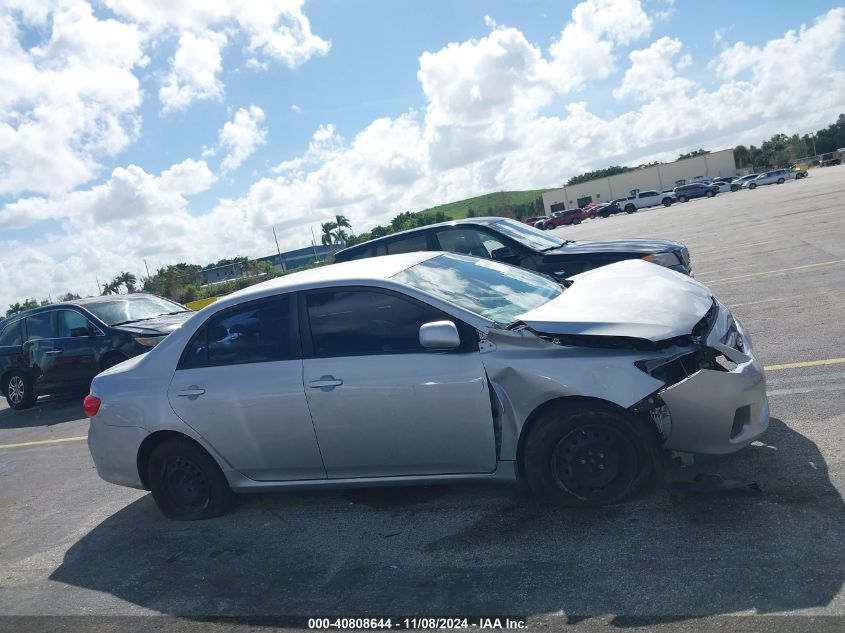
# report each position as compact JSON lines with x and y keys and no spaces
{"x":426,"y":368}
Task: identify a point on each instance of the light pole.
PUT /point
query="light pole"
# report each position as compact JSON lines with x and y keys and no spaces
{"x":813,"y":136}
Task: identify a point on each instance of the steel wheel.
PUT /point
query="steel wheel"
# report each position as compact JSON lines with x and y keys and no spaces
{"x":186,"y":484}
{"x":594,"y":462}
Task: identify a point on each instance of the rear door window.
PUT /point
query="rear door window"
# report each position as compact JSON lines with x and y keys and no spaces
{"x":11,"y":335}
{"x":469,"y":242}
{"x":40,"y":326}
{"x":257,"y":332}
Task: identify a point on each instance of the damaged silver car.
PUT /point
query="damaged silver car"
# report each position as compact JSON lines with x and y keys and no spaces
{"x":426,"y":368}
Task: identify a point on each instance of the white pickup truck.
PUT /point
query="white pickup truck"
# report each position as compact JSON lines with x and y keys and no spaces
{"x":643,"y":199}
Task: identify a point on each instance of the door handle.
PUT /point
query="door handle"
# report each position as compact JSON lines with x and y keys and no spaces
{"x":327,"y":383}
{"x":192,"y":393}
{"x":53,"y":352}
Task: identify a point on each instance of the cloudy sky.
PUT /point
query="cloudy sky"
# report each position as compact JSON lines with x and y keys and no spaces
{"x":183,"y":130}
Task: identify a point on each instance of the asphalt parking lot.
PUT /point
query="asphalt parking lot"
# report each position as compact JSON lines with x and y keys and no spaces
{"x":71,"y":544}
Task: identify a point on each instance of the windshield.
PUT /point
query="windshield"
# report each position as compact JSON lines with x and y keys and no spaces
{"x":527,"y":235}
{"x":116,"y":311}
{"x":495,"y":291}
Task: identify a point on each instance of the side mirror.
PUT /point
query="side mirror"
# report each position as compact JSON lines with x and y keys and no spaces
{"x":505,"y":254}
{"x":439,"y":335}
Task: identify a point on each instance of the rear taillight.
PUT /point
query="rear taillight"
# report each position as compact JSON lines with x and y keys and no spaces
{"x":91,"y":405}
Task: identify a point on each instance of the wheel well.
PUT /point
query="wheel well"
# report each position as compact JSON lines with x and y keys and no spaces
{"x":564,"y":401}
{"x":153,"y":441}
{"x":109,"y":355}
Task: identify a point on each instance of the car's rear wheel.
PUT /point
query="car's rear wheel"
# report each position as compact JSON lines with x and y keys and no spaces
{"x":587,"y":455}
{"x":592,"y":215}
{"x":19,"y":390}
{"x":187,"y":484}
{"x":682,"y":198}
{"x":781,"y":181}
{"x":752,"y":185}
{"x":709,"y":194}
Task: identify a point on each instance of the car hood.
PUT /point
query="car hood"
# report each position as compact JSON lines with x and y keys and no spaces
{"x":644,"y":246}
{"x":159,"y":325}
{"x":632,"y":298}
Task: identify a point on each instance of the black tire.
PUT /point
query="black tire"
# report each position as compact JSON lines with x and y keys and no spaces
{"x":19,"y":390}
{"x":667,"y":202}
{"x":682,"y":198}
{"x":187,"y":484}
{"x":735,"y":188}
{"x":587,"y":455}
{"x":752,"y":185}
{"x":780,"y":181}
{"x":548,"y":227}
{"x":576,"y":221}
{"x":709,"y":194}
{"x":630,"y":208}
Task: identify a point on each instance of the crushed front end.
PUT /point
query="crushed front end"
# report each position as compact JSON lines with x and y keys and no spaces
{"x":714,"y":399}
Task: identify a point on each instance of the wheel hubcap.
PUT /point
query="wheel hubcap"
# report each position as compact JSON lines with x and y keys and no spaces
{"x":186,"y":484}
{"x":594,"y":462}
{"x":16,"y":389}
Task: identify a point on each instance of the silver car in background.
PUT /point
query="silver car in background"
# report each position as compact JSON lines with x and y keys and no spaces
{"x":426,"y":368}
{"x":778,"y":176}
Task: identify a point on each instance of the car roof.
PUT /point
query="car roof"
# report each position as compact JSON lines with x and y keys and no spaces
{"x":76,"y":302}
{"x":368,"y":269}
{"x":469,"y":221}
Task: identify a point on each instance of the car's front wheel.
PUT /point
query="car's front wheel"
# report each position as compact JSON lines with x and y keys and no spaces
{"x":586,"y":455}
{"x":734,"y":188}
{"x":576,"y":221}
{"x":630,"y":208}
{"x":19,"y":390}
{"x":753,"y":185}
{"x":187,"y":484}
{"x":667,"y":202}
{"x":781,"y":181}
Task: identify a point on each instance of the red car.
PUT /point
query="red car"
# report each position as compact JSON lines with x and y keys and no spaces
{"x":570,"y":216}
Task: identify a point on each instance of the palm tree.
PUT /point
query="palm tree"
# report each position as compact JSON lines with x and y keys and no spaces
{"x":327,"y":237}
{"x":112,"y":288}
{"x":126,"y":279}
{"x":342,"y":222}
{"x":339,"y":237}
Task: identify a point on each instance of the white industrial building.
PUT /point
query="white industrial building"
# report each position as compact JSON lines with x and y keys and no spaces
{"x":660,"y":177}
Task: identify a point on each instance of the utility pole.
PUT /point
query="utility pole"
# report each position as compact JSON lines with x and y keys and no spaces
{"x":279,"y":251}
{"x":314,"y":243}
{"x":99,"y":287}
{"x":147,"y":269}
{"x":813,"y":136}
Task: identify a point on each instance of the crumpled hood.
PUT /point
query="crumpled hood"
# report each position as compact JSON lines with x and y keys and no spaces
{"x":156,"y":326}
{"x":632,"y":298}
{"x":644,"y":246}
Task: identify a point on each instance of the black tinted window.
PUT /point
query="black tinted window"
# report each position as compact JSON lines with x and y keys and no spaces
{"x":357,"y":323}
{"x":409,"y":244}
{"x":40,"y":326}
{"x":72,"y":323}
{"x":11,"y":334}
{"x":255,"y":333}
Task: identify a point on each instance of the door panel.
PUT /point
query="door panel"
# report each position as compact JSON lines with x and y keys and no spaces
{"x":255,"y":415}
{"x":239,"y":385}
{"x":381,"y":404}
{"x":403,"y":414}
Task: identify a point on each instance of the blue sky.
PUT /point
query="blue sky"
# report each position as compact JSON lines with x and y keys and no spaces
{"x":120,"y":131}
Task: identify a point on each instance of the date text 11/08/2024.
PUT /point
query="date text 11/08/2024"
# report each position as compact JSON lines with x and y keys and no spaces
{"x":415,"y":623}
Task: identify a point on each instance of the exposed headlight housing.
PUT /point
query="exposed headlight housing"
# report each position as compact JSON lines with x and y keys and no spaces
{"x":149,"y":341}
{"x":663,"y":259}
